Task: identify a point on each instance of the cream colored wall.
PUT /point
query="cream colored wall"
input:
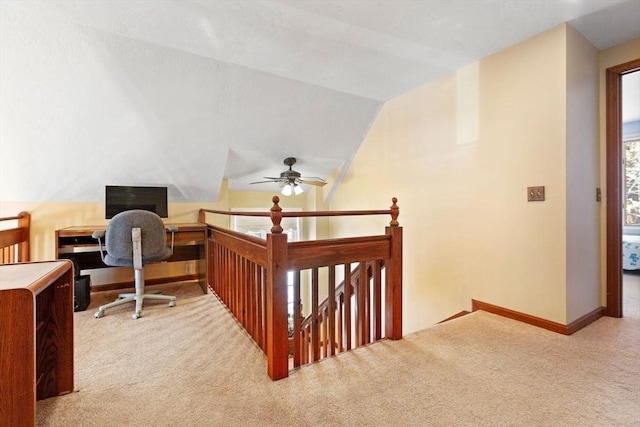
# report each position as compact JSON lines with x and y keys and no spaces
{"x":582,"y":176}
{"x":469,"y":230}
{"x":608,"y":58}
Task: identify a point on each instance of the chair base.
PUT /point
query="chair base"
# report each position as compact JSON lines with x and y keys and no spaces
{"x":139,"y":296}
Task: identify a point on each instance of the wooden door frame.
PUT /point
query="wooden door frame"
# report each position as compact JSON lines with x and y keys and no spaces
{"x":614,"y":183}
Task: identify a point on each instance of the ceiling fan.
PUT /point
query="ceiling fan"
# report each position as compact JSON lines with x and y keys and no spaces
{"x":290,"y":180}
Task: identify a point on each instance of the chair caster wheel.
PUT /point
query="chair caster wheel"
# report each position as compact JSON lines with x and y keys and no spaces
{"x":172,"y":303}
{"x":136,"y":316}
{"x":98,"y":314}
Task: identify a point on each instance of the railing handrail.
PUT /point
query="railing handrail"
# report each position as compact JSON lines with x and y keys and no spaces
{"x":276,"y":214}
{"x":9,"y":218}
{"x":237,"y":234}
{"x":302,"y":214}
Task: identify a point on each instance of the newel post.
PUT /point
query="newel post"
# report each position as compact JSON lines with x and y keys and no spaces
{"x":276,"y":297}
{"x":393,"y":291}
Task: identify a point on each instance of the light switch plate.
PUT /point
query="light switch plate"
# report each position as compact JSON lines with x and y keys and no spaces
{"x":535,"y":194}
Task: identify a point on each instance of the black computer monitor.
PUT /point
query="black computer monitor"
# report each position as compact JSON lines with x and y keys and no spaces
{"x":119,"y":198}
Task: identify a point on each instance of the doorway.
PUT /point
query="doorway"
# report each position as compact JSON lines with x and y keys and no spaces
{"x":614,"y":155}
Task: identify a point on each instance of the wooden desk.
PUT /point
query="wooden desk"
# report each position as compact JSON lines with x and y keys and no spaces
{"x":36,"y":337}
{"x":186,"y":263}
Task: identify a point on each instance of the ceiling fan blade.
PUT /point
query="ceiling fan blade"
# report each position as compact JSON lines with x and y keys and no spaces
{"x":316,"y":183}
{"x":261,"y":182}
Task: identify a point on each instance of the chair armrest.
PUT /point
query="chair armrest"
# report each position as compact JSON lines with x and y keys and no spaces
{"x":98,"y":234}
{"x":172,"y":229}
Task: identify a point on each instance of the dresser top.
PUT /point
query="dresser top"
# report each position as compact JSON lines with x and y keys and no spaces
{"x":31,"y":274}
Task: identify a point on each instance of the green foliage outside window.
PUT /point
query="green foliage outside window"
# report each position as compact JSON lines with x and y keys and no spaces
{"x":632,"y":182}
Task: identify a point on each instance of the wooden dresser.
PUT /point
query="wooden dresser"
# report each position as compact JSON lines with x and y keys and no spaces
{"x":36,"y":337}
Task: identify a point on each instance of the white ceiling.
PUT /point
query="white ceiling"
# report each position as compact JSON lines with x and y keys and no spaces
{"x":301,"y":78}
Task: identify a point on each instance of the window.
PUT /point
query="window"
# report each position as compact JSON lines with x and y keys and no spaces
{"x":631,"y":152}
{"x":632,"y":182}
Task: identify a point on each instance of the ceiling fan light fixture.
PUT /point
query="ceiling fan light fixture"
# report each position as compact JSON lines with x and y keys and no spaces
{"x":287,"y":190}
{"x":297,"y":190}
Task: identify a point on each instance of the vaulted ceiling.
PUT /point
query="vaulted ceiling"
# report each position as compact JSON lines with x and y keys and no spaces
{"x":187,"y":93}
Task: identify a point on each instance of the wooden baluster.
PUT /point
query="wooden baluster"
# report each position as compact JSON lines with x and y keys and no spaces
{"x":251,"y":309}
{"x":238,"y":287}
{"x":234,"y":283}
{"x":247,"y":292}
{"x":244,"y":291}
{"x":324,"y":321}
{"x":365,"y":336}
{"x":357,"y":341}
{"x":341,"y":335}
{"x":297,"y":318}
{"x":305,"y":345}
{"x":241,"y":283}
{"x":263,"y":311}
{"x":24,"y":220}
{"x":315,"y":336}
{"x":214,"y":267}
{"x":224,"y":280}
{"x":216,"y":270}
{"x":377,"y":299}
{"x":210,"y":259}
{"x":229,"y":284}
{"x":347,"y":307}
{"x":219,"y":272}
{"x":331,"y":308}
{"x":256,"y":302}
{"x":321,"y":347}
{"x":224,"y":276}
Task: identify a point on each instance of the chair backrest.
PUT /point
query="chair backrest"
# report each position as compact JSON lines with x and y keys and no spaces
{"x":118,"y":238}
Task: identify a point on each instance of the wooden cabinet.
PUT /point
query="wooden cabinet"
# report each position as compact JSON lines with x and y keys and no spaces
{"x":36,"y":337}
{"x":186,"y":263}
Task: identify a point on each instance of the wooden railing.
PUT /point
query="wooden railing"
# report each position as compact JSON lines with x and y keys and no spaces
{"x":334,"y":312}
{"x":249,"y":275}
{"x":14,"y":242}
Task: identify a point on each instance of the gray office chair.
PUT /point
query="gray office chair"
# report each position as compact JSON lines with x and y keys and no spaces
{"x":135,"y":238}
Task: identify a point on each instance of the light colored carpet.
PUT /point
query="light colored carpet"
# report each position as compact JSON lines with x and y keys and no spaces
{"x":192,"y":365}
{"x":631,"y":294}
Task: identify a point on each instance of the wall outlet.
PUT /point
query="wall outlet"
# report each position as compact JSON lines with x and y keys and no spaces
{"x":535,"y":194}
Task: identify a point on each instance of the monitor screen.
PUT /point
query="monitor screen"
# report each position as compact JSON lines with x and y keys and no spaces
{"x":123,"y":198}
